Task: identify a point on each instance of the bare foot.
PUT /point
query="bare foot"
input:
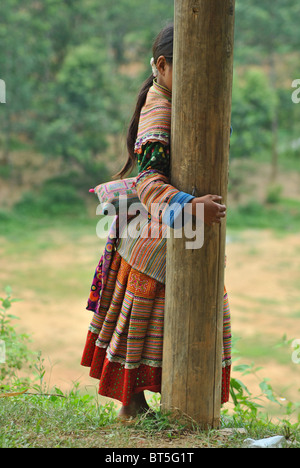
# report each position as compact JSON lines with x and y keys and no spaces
{"x":138,"y":404}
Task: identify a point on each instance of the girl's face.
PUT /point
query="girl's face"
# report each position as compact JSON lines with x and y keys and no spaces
{"x":164,"y":77}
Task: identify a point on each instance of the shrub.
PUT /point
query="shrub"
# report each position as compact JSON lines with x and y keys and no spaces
{"x":17,"y":352}
{"x":53,"y":199}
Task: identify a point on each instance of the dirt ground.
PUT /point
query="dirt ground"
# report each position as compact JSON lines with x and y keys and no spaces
{"x":262,"y":279}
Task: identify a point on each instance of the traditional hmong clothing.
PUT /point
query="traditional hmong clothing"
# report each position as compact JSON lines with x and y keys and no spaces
{"x":125,"y":338}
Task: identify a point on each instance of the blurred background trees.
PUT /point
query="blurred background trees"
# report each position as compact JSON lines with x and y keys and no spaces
{"x":73,"y":69}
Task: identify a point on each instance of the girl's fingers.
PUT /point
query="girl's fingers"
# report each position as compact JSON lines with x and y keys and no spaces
{"x":216,"y":197}
{"x":221,"y":209}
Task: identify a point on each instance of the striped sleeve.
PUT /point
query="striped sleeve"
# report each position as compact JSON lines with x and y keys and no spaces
{"x":163,"y":201}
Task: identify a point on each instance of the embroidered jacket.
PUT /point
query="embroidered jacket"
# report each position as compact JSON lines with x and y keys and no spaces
{"x":162,"y":202}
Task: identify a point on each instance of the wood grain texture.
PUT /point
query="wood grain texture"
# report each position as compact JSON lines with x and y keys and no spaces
{"x":201,"y":117}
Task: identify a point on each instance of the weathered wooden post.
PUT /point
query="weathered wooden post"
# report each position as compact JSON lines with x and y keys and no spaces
{"x":201,"y":117}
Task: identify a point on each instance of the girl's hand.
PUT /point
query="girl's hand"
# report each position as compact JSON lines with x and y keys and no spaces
{"x":213,"y":210}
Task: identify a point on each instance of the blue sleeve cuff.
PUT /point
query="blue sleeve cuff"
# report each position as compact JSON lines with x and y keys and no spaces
{"x":175,"y":208}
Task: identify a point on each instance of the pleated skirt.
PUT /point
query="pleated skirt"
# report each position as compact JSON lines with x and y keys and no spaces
{"x":124,"y":344}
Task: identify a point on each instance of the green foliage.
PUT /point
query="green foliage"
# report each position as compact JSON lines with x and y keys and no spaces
{"x":62,"y":195}
{"x":264,"y":28}
{"x":61,"y":62}
{"x":283,"y":216}
{"x":17,"y":351}
{"x":79,"y":105}
{"x":249,"y":410}
{"x":52,"y":200}
{"x":274,"y":194}
{"x":243,"y":399}
{"x":55,"y":420}
{"x":267,"y":36}
{"x":253,"y":106}
{"x":73,"y":71}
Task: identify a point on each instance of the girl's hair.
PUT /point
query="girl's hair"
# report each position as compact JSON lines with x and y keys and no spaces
{"x":163,"y":45}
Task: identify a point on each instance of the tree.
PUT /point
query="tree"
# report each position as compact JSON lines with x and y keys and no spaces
{"x":61,"y":61}
{"x":78,"y":105}
{"x":253,"y":107}
{"x":265,"y":31}
{"x":20,"y":62}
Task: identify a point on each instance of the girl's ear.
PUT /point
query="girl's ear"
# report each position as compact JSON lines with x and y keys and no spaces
{"x":161,"y":64}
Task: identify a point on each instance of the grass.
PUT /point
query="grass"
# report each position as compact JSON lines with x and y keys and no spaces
{"x":77,"y":421}
{"x":52,"y":421}
{"x":282,"y":216}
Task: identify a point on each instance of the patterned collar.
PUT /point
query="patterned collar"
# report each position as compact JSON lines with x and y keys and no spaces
{"x":162,"y":91}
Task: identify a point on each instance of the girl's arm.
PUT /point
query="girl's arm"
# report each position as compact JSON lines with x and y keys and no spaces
{"x":163,"y":200}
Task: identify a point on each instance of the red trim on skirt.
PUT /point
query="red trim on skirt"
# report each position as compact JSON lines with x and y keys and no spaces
{"x":115,"y":381}
{"x":119,"y":383}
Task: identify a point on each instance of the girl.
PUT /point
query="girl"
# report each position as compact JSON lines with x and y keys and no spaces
{"x":125,"y":337}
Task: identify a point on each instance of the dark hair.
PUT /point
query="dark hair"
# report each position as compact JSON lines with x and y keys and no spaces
{"x":163,"y":45}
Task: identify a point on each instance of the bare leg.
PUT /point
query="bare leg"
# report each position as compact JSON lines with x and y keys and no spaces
{"x":137,"y":404}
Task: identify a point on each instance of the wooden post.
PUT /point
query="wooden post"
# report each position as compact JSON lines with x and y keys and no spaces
{"x":201,"y":117}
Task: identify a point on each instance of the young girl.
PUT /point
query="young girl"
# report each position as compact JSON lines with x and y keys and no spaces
{"x":125,"y":338}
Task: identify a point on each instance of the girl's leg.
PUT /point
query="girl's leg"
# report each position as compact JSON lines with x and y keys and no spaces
{"x":137,"y":404}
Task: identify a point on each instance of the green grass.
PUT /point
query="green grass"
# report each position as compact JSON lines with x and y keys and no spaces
{"x":264,"y":348}
{"x":32,"y":243}
{"x":31,"y":421}
{"x":283,"y":216}
{"x":77,"y":421}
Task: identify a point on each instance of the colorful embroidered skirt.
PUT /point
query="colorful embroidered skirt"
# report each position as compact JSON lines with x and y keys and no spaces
{"x":125,"y":338}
